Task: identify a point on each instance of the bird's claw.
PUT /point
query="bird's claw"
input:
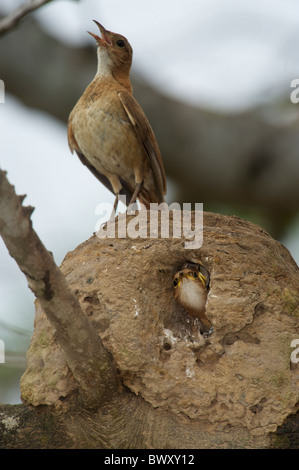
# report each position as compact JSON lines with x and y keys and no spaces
{"x":208,"y":333}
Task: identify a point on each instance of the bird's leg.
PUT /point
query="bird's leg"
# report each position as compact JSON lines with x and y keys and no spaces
{"x":136,"y":193}
{"x":116,"y":186}
{"x":113,"y":213}
{"x":208,"y":333}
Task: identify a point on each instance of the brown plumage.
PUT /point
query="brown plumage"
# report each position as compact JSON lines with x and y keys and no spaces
{"x":110,"y":132}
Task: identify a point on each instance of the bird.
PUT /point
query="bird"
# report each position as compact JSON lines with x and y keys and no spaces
{"x":109,"y":131}
{"x":191,"y":285}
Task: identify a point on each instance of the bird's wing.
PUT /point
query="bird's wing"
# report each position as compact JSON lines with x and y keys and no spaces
{"x":147,"y":138}
{"x":126,"y":190}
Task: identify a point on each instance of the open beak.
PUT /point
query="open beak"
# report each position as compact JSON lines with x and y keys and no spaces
{"x":104,"y":40}
{"x":203,"y":280}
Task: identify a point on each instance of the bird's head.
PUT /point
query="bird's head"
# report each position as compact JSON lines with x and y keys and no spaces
{"x":191,"y":273}
{"x":114,"y":52}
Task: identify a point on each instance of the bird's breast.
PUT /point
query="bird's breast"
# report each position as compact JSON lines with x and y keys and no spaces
{"x":105,"y":134}
{"x":192,"y":296}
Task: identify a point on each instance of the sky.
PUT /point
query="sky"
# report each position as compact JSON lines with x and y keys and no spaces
{"x":228,"y":55}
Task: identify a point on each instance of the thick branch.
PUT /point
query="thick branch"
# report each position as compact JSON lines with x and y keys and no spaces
{"x":88,"y":360}
{"x":23,"y":427}
{"x":13,"y":18}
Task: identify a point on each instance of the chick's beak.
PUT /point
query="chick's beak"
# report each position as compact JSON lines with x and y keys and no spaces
{"x":203,"y":279}
{"x":177,"y":280}
{"x":104,"y":40}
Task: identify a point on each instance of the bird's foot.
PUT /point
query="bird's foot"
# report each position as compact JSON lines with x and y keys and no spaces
{"x":207,"y":333}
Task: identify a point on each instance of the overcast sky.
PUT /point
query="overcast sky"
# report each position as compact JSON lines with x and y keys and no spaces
{"x":221,"y":54}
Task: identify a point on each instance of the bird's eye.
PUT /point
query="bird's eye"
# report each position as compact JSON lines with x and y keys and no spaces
{"x":195,"y":274}
{"x":175,"y":282}
{"x":120,"y":43}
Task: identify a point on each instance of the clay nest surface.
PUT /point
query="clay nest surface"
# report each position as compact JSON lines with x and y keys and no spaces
{"x":240,"y":375}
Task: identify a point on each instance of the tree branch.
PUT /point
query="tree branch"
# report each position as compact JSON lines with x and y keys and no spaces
{"x":89,"y":362}
{"x":13,"y":18}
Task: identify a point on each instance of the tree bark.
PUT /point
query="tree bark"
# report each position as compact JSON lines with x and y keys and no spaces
{"x":10,"y":21}
{"x":87,"y":359}
{"x":24,"y":427}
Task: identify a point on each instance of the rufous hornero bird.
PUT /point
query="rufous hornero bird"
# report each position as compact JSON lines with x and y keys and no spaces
{"x":110,"y":132}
